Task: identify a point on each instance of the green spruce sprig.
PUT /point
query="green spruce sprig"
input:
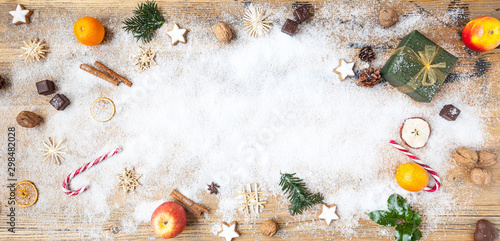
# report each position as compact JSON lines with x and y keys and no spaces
{"x":399,"y":209}
{"x":300,"y":198}
{"x":146,"y":20}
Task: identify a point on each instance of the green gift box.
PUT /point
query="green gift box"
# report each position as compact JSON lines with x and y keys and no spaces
{"x":418,"y":67}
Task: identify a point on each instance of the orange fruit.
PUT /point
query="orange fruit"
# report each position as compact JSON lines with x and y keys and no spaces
{"x":412,"y":177}
{"x":25,"y":194}
{"x":89,"y":31}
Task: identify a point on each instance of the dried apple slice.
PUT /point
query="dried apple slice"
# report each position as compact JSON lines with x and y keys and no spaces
{"x":415,"y":132}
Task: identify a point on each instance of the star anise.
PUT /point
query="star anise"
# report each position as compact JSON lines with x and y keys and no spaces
{"x":213,"y":188}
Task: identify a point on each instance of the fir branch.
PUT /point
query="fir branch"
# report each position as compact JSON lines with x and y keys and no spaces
{"x":146,"y":20}
{"x":300,"y":198}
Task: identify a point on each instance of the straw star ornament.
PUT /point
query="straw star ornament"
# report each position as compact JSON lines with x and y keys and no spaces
{"x":144,"y":59}
{"x":53,"y":151}
{"x":33,"y":49}
{"x":255,"y":23}
{"x":253,"y":199}
{"x":128,"y":180}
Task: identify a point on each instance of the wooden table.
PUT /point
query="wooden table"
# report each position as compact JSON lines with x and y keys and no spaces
{"x":458,"y":225}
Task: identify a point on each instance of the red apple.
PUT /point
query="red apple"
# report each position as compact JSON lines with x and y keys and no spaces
{"x":168,"y":220}
{"x":482,"y":34}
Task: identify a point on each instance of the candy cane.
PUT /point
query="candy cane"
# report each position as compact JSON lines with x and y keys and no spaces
{"x":65,"y":184}
{"x":420,"y":163}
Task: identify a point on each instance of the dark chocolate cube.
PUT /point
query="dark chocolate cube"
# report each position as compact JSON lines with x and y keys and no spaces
{"x":449,"y":112}
{"x":2,"y":82}
{"x":289,"y":27}
{"x":301,"y":14}
{"x":45,"y":87}
{"x":60,"y":102}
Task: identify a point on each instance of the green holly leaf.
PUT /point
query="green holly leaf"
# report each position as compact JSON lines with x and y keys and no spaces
{"x":417,"y":235}
{"x":399,"y":206}
{"x":416,"y":219}
{"x":383,"y":217}
{"x":404,"y":232}
{"x":399,"y":209}
{"x":408,"y":215}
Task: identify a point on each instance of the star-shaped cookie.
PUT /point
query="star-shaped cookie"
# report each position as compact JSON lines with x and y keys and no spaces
{"x":20,"y":15}
{"x":177,"y":35}
{"x":344,"y":69}
{"x":228,"y":231}
{"x":128,"y":180}
{"x":328,"y":213}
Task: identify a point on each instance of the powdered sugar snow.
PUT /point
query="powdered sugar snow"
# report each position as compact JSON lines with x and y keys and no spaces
{"x":236,"y":114}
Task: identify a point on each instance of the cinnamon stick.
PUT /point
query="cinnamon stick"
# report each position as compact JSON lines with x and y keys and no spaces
{"x":99,"y":74}
{"x":195,"y":207}
{"x":112,"y":73}
{"x":198,"y":212}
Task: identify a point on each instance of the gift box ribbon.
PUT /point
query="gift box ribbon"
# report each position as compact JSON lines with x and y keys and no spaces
{"x":430,"y":72}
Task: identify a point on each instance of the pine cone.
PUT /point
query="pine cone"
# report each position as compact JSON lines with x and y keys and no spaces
{"x":366,"y":54}
{"x":369,"y":77}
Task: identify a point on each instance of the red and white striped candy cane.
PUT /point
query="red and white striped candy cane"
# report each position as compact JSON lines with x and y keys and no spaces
{"x":420,"y":163}
{"x":65,"y":184}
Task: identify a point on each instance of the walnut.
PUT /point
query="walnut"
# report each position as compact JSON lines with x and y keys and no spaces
{"x":487,"y":158}
{"x":28,"y":119}
{"x":114,"y":229}
{"x":223,"y":32}
{"x":269,"y":228}
{"x":388,"y":17}
{"x":480,"y":176}
{"x":465,"y":156}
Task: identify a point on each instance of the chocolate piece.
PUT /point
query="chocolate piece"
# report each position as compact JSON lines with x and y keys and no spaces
{"x":449,"y":112}
{"x":45,"y":87}
{"x":2,"y":82}
{"x":289,"y":27}
{"x":301,"y":14}
{"x":60,"y":102}
{"x":485,"y":231}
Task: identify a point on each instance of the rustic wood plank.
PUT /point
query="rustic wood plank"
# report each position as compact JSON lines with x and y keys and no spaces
{"x":458,"y":225}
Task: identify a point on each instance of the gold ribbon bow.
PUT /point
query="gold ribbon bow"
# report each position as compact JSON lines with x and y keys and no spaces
{"x":430,"y":73}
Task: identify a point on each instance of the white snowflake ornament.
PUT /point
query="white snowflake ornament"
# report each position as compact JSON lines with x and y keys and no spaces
{"x":177,"y":35}
{"x":328,"y":213}
{"x":20,"y":15}
{"x":228,"y":231}
{"x":344,"y":70}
